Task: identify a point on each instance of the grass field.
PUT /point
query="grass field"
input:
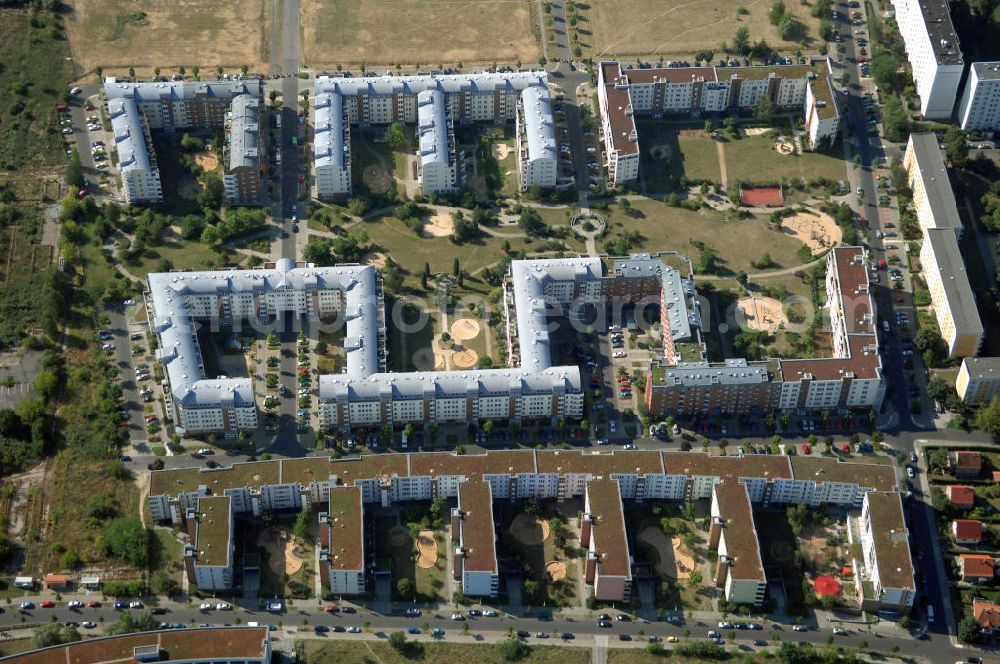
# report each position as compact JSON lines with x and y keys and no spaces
{"x":430,"y":583}
{"x":754,"y":159}
{"x":737,"y":243}
{"x":182,"y":255}
{"x":118,"y":34}
{"x":665,"y":155}
{"x":644,"y":27}
{"x":430,"y":32}
{"x":366,"y":652}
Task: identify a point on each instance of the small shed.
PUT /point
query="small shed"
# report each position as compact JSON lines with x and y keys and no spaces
{"x":90,"y":582}
{"x":26,"y":582}
{"x":56,"y":581}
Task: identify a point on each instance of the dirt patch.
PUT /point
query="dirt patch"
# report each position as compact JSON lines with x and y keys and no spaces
{"x":427,"y":549}
{"x":760,"y":313}
{"x":284,"y":552}
{"x":375,"y":259}
{"x":785,"y":147}
{"x":756,"y":131}
{"x":673,"y":561}
{"x":501,"y":150}
{"x":465,"y":329}
{"x":529,"y":531}
{"x":464,"y":359}
{"x":439,"y":225}
{"x":376,"y":179}
{"x":816,"y":230}
{"x":555,"y":570}
{"x":207,"y":160}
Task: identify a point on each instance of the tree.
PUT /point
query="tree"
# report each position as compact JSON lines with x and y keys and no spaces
{"x":969,"y":630}
{"x":939,"y":389}
{"x":395,"y":135}
{"x":513,"y":649}
{"x":765,"y":110}
{"x":826,"y":29}
{"x":957,"y":146}
{"x":464,"y":229}
{"x":531,"y":592}
{"x":74,"y":170}
{"x":214,"y":191}
{"x":456,"y":267}
{"x":741,"y":41}
{"x":531,"y":222}
{"x":128,"y":541}
{"x":53,"y":634}
{"x":196,"y":71}
{"x":301,"y":527}
{"x":404,"y":587}
{"x":488,"y":428}
{"x":777,"y":12}
{"x":988,"y":417}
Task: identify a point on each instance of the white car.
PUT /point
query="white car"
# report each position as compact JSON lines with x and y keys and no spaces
{"x":75,"y":91}
{"x":490,"y":613}
{"x":204,"y":450}
{"x":910,"y":473}
{"x":839,"y":631}
{"x":135,"y":605}
{"x":223,"y":606}
{"x":205,"y":606}
{"x":457,"y":616}
{"x":354,"y":629}
{"x":88,"y":624}
{"x":74,"y":604}
{"x":67,"y":130}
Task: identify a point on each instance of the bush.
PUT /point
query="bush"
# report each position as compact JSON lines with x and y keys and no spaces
{"x":513,"y":649}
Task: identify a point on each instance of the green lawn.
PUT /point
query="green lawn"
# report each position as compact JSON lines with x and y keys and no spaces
{"x":700,"y":158}
{"x":430,"y":583}
{"x":665,"y":156}
{"x":737,"y":243}
{"x":182,"y":255}
{"x":402,"y":351}
{"x":754,"y":159}
{"x":367,"y":652}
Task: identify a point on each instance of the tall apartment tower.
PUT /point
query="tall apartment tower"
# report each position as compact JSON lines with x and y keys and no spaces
{"x":935,"y":58}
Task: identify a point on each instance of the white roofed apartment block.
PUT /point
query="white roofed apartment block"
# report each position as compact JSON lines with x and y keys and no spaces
{"x":136,"y":162}
{"x":381,"y":100}
{"x":436,"y":138}
{"x":933,"y":51}
{"x":242,"y":179}
{"x":979,"y":109}
{"x":331,"y":147}
{"x":536,"y":139}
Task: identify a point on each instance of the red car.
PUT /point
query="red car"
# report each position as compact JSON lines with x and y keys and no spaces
{"x":93,"y":604}
{"x":47,"y":604}
{"x":806,"y":449}
{"x":330,"y":608}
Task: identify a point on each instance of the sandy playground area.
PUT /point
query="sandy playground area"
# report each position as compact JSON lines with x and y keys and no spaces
{"x":284,"y":552}
{"x":555,"y":570}
{"x":784,"y":147}
{"x":816,"y":230}
{"x":465,"y":329}
{"x":207,"y":160}
{"x":760,"y":313}
{"x":439,"y":225}
{"x":501,"y":150}
{"x":375,"y":259}
{"x":464,"y":359}
{"x":376,"y":179}
{"x":427,"y":549}
{"x":528,"y":531}
{"x":672,"y":561}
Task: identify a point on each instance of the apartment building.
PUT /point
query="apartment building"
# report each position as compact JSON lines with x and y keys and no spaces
{"x":331,"y":147}
{"x":852,"y":378}
{"x":978,"y":380}
{"x":951,"y":293}
{"x":979,"y":109}
{"x":437,"y":174}
{"x":933,"y":51}
{"x":208,"y":558}
{"x":609,"y":562}
{"x":244,"y":152}
{"x":535,"y":134}
{"x":625,"y":92}
{"x":137,"y":108}
{"x":883,"y":576}
{"x":136,"y":159}
{"x":194,"y":645}
{"x":476,"y":555}
{"x":342,"y":542}
{"x":933,"y":199}
{"x":382,"y":100}
{"x":736,"y":485}
{"x":739,"y":569}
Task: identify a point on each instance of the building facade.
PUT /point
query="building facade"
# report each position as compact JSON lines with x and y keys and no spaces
{"x":883,"y":576}
{"x":208,"y":558}
{"x":933,"y":51}
{"x":342,"y":542}
{"x":535,"y":134}
{"x":625,"y":93}
{"x":608,"y":567}
{"x":852,"y":378}
{"x":136,"y":159}
{"x":437,"y":174}
{"x":978,"y":380}
{"x":979,"y":109}
{"x":476,"y":555}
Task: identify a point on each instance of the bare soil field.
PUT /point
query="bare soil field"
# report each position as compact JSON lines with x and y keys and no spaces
{"x":118,"y":34}
{"x":643,"y":27}
{"x":385,"y":32}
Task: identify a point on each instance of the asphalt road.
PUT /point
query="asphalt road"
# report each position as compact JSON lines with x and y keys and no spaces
{"x":122,"y":359}
{"x":936,"y":648}
{"x":569,"y":78}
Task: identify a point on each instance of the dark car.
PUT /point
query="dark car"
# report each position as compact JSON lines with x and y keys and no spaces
{"x":522,"y":634}
{"x":121,"y":605}
{"x":158,"y":611}
{"x":568,"y":636}
{"x":624,"y":637}
{"x":348,"y":609}
{"x":321,"y":629}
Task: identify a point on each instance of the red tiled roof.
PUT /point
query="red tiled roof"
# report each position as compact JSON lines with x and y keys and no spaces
{"x":961,"y":496}
{"x":986,"y":613}
{"x":968,"y":530}
{"x":965,"y":460}
{"x":975,"y":565}
{"x":996,"y":475}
